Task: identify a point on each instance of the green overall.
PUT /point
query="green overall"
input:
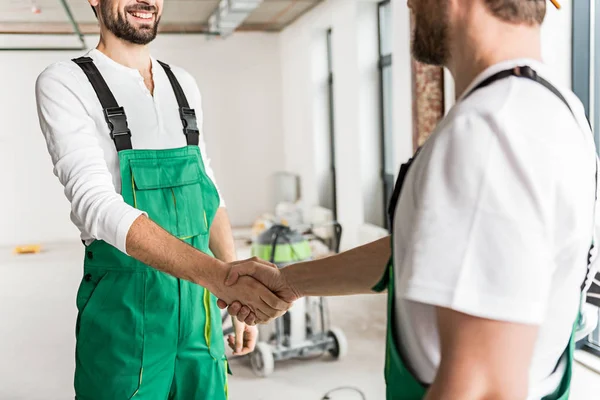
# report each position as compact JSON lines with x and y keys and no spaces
{"x":401,"y":384}
{"x":142,"y":333}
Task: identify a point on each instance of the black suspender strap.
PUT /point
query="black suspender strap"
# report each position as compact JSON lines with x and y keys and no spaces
{"x":522,"y":72}
{"x":398,"y":189}
{"x":114,"y":115}
{"x":187,"y":114}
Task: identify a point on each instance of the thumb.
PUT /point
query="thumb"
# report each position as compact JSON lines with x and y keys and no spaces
{"x":246,"y":268}
{"x":221,"y":304}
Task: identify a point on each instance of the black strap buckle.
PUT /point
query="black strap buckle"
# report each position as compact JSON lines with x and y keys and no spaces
{"x":117,"y":121}
{"x":188,"y":118}
{"x":526,"y":71}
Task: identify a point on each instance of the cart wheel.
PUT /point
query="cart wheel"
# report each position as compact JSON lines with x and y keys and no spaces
{"x":262,"y":360}
{"x":340,"y":344}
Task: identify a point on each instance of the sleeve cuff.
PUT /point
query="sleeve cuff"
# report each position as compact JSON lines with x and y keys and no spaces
{"x":477,"y":304}
{"x":124,"y":226}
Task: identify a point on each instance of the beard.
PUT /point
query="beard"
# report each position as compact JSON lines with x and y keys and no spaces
{"x":429,"y":43}
{"x":118,"y":24}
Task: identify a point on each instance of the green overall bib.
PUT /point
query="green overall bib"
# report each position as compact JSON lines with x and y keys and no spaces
{"x":142,"y":333}
{"x":401,"y":384}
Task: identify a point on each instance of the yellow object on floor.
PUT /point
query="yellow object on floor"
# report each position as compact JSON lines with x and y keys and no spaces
{"x":28,"y":249}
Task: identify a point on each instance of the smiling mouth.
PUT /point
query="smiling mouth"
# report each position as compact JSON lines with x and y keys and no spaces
{"x":141,"y":15}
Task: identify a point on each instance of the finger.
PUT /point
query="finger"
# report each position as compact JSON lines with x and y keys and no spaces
{"x":264,"y":262}
{"x":262,"y":318}
{"x":243,"y":314}
{"x":251,"y":336}
{"x":245,"y":268}
{"x":248,"y":267}
{"x":273,"y":301}
{"x":239,"y":339}
{"x":250,"y":320}
{"x":222,"y":305}
{"x":234,"y":308}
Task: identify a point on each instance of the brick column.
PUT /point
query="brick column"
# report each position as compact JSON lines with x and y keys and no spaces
{"x":428,"y":100}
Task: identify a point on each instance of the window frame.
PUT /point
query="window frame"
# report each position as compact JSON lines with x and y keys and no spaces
{"x":385,"y":61}
{"x":585,"y":68}
{"x":330,"y":89}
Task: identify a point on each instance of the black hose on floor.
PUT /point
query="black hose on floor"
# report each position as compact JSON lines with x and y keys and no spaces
{"x":356,"y":390}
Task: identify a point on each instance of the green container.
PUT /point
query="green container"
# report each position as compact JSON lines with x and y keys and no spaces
{"x":282,"y":246}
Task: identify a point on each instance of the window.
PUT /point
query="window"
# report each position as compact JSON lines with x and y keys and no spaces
{"x":385,"y":74}
{"x":585,"y":75}
{"x":324,"y":151}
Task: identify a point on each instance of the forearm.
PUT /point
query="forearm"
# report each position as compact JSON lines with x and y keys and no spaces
{"x":223,"y":246}
{"x":221,"y":237}
{"x":353,"y":272}
{"x":152,"y":245}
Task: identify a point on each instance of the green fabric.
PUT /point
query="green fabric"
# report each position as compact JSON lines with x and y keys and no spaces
{"x":402,"y":385}
{"x":564,"y":389}
{"x":284,"y":253}
{"x":142,"y":333}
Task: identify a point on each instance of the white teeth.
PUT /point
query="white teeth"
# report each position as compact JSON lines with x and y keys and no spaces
{"x":141,"y":15}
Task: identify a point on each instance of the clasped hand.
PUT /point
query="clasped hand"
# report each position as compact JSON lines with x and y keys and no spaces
{"x":256,"y":291}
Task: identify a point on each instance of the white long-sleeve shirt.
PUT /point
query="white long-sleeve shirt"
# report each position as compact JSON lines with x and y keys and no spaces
{"x":84,"y":155}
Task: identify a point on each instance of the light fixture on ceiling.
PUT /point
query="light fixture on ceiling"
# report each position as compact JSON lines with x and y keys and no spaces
{"x":230,"y":14}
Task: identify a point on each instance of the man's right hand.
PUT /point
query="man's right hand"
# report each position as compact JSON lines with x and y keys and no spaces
{"x":254,"y":295}
{"x":267,"y":274}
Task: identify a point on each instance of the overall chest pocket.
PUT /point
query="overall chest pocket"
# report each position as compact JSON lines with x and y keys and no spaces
{"x":170,"y":191}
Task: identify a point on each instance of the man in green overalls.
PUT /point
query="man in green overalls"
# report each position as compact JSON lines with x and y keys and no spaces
{"x":124,"y":134}
{"x":492,"y":220}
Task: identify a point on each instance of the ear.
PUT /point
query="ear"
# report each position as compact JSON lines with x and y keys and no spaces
{"x":94,"y":3}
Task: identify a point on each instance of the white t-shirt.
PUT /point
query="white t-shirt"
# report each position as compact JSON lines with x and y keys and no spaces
{"x":84,"y":155}
{"x":495,"y":220}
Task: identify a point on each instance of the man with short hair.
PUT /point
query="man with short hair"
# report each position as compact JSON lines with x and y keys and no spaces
{"x":492,"y":221}
{"x":124,"y":132}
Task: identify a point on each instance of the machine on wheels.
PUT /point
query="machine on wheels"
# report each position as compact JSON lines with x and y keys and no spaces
{"x":304,"y":331}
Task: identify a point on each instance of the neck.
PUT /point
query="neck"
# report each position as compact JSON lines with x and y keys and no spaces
{"x":478,"y":47}
{"x":131,"y":55}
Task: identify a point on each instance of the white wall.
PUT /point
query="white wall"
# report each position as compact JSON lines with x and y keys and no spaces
{"x":370,"y":113}
{"x":557,"y":41}
{"x":322,"y":121}
{"x":240,"y":79}
{"x":353,"y":24}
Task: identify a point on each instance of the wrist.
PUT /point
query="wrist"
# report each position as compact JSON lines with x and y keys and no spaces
{"x":292,"y":275}
{"x":212,"y":275}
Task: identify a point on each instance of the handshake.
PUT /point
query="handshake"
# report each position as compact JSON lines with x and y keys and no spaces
{"x":255,"y":291}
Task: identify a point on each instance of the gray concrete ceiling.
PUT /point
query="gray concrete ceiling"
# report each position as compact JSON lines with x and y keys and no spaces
{"x":178,"y":15}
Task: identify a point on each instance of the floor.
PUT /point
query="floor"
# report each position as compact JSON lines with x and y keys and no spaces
{"x":37,"y":315}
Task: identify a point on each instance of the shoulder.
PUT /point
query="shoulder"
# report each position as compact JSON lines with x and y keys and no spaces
{"x":515,"y":111}
{"x":60,"y":77}
{"x":186,"y":79}
{"x":188,"y":84}
{"x":63,"y":71}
